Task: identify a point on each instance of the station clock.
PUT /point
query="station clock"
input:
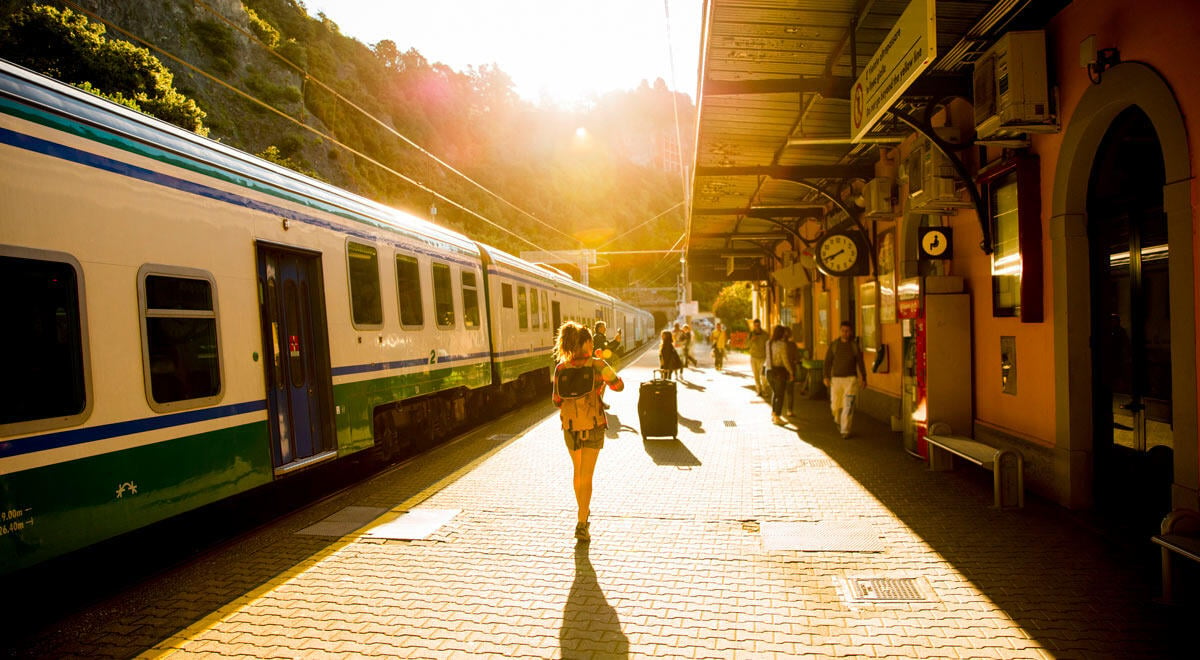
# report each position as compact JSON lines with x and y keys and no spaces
{"x":842,"y":253}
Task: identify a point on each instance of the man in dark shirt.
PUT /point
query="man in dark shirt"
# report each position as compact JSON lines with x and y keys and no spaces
{"x":845,"y":373}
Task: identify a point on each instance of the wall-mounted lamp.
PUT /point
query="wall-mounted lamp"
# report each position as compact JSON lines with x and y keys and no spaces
{"x":1097,"y":61}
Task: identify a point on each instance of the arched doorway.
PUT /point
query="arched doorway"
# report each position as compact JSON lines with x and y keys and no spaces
{"x":1131,"y":325}
{"x":1099,"y":124}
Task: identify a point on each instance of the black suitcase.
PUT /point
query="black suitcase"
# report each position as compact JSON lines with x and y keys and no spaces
{"x":657,"y":408}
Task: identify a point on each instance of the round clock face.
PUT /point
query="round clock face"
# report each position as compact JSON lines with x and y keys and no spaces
{"x":934,"y":243}
{"x":838,"y":253}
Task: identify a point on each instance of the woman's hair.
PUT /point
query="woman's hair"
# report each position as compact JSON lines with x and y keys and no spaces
{"x":667,"y":338}
{"x":571,"y":338}
{"x":778,"y":332}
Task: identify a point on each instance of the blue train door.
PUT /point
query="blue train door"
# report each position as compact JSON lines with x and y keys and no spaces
{"x":296,"y":357}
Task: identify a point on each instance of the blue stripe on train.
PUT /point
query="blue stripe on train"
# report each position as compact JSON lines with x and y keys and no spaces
{"x":92,"y":433}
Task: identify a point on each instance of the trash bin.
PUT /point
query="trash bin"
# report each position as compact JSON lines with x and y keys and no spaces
{"x":814,"y":379}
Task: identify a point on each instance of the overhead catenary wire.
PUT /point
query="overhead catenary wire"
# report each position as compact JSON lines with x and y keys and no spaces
{"x":301,"y":124}
{"x":639,"y":226}
{"x":390,"y":129}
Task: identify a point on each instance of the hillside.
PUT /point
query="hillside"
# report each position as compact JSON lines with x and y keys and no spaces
{"x":585,"y":187}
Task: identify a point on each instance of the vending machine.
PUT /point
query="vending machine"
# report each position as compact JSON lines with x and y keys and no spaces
{"x":936,"y":383}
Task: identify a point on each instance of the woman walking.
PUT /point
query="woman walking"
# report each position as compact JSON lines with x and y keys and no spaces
{"x":779,"y":370}
{"x":668,"y":359}
{"x":579,"y":379}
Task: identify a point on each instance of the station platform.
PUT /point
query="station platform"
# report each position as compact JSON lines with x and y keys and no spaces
{"x":741,"y":539}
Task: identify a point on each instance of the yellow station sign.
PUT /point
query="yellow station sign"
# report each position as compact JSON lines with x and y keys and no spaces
{"x":904,"y":55}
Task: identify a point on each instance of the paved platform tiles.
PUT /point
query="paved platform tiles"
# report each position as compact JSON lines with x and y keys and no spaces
{"x":676,"y":568}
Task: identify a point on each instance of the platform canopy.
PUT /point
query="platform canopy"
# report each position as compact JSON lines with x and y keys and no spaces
{"x":773,"y":145}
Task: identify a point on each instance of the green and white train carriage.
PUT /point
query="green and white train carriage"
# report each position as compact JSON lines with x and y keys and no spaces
{"x":185,"y":322}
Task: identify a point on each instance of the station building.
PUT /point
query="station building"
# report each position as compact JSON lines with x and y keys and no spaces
{"x":998,"y":196}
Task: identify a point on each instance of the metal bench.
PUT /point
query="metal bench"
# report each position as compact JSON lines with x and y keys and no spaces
{"x":1007,"y":467}
{"x":1180,"y":535}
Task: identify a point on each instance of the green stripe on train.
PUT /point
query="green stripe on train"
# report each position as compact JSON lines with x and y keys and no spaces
{"x":512,"y":369}
{"x":48,"y":511}
{"x":358,"y":400}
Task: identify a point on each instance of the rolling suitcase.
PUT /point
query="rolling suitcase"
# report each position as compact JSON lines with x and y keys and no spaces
{"x":657,"y":412}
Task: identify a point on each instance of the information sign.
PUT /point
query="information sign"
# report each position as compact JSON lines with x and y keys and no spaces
{"x":904,"y":55}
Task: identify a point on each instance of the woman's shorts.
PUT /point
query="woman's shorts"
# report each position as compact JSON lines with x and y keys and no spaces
{"x":590,"y":439}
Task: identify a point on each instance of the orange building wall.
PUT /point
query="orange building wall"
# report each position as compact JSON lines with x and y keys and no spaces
{"x":1159,"y":33}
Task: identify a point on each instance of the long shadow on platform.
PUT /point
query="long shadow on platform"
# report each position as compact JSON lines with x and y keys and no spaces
{"x":693,"y":425}
{"x":1063,"y":583}
{"x":670,"y":452}
{"x":590,"y":626}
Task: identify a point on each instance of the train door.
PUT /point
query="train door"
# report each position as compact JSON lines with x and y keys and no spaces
{"x":555,"y":317}
{"x":1131,"y":330}
{"x":296,"y":350}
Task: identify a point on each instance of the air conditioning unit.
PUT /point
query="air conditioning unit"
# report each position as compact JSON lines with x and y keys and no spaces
{"x":931,"y":181}
{"x":1011,"y":94}
{"x":877,"y":198}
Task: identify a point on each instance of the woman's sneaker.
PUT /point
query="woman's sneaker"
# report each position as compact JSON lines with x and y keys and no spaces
{"x":581,"y":532}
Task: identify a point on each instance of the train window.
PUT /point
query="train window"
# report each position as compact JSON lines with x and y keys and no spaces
{"x":545,"y":308}
{"x":470,"y":296}
{"x":534,"y":309}
{"x":522,"y":309}
{"x":408,"y":284}
{"x":506,"y":296}
{"x":443,"y":296}
{"x":45,"y":382}
{"x":182,"y":358}
{"x":366,"y":307}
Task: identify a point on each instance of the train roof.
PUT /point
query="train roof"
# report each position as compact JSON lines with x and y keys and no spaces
{"x":37,"y":98}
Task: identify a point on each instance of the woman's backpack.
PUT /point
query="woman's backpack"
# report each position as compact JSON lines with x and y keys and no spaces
{"x":573,"y":382}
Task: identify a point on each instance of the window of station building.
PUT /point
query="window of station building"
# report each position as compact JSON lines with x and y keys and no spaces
{"x":522,"y":309}
{"x":535,"y":315}
{"x":182,"y":358}
{"x":1006,"y":255}
{"x":443,"y":296}
{"x":470,"y":296}
{"x":366,"y":305}
{"x":408,"y":287}
{"x":45,"y":383}
{"x":506,"y":296}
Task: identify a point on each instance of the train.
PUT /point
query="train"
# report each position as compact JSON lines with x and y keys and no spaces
{"x":185,"y":322}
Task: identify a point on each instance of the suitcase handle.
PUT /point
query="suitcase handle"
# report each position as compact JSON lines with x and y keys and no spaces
{"x":659,"y":374}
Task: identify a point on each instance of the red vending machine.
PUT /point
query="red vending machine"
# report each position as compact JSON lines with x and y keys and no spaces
{"x":936,"y":384}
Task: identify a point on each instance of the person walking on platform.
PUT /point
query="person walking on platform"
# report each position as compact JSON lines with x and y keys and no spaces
{"x":606,"y":349}
{"x":844,"y":369}
{"x":757,"y":343}
{"x":686,"y":347}
{"x":578,"y":380}
{"x":718,"y":338}
{"x":668,"y":359}
{"x":779,"y":370}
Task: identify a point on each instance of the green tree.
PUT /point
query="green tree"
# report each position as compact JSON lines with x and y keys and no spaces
{"x":69,"y":47}
{"x":733,"y":306}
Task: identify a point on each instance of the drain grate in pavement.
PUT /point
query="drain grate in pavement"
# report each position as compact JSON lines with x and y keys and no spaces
{"x":343,"y":522}
{"x":730,"y":423}
{"x":849,"y":536}
{"x":886,"y":590}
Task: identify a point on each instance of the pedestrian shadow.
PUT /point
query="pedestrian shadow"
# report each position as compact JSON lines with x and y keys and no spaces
{"x":670,"y":452}
{"x":590,"y":626}
{"x":693,"y":425}
{"x":615,"y":427}
{"x":693,"y":386}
